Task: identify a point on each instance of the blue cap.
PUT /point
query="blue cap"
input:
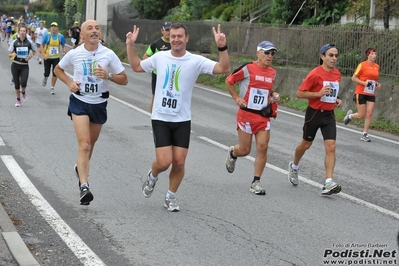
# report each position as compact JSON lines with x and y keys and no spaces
{"x":265,"y":46}
{"x":326,"y":47}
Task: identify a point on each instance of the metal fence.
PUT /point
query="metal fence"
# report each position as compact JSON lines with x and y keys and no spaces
{"x":298,"y":46}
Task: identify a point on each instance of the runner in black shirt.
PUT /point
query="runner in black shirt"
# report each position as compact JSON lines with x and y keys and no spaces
{"x":21,"y":50}
{"x":161,"y":44}
{"x":74,"y":33}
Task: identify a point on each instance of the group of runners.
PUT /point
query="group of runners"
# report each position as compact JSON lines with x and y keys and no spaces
{"x":30,"y":39}
{"x":175,"y":71}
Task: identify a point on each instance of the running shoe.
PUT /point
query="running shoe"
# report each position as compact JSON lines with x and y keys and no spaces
{"x":18,"y":104}
{"x":331,"y":188}
{"x":148,"y":186}
{"x":292,"y":174}
{"x":12,"y":81}
{"x":230,"y":162}
{"x":256,"y":187}
{"x":44,"y":82}
{"x":85,"y":196}
{"x":365,"y":137}
{"x":347,"y":119}
{"x":24,"y":97}
{"x":171,"y":204}
{"x":52,"y":91}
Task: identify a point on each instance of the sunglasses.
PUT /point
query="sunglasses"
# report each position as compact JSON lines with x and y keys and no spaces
{"x":332,"y":55}
{"x":269,"y":52}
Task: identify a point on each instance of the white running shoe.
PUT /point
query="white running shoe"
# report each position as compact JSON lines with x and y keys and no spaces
{"x":292,"y":175}
{"x":171,"y":204}
{"x":230,"y":162}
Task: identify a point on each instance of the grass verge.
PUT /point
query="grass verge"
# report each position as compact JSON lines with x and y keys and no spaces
{"x":217,"y":81}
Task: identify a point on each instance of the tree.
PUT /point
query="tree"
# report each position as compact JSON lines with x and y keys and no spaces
{"x":386,"y":6}
{"x":58,"y":6}
{"x":154,"y":9}
{"x":360,"y":8}
{"x":71,"y":12}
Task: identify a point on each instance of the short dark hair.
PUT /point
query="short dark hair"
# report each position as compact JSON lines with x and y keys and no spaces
{"x":178,"y":25}
{"x":369,"y":50}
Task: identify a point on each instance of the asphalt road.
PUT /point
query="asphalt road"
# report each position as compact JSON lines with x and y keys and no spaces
{"x":220,"y":222}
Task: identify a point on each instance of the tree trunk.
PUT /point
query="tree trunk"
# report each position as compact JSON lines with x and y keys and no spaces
{"x":386,"y":15}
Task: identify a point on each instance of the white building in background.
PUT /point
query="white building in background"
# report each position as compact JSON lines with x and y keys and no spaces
{"x":378,"y":23}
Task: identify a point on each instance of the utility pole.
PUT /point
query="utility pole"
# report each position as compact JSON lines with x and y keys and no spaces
{"x":372,"y":13}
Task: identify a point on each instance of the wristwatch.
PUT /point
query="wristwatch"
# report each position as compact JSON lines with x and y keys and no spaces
{"x":110,"y":76}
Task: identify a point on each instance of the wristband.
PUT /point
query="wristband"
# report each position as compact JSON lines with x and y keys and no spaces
{"x":221,"y":49}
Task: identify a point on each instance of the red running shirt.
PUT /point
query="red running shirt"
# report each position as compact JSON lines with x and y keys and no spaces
{"x":315,"y":80}
{"x":255,"y":86}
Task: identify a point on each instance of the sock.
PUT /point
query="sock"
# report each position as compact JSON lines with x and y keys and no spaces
{"x":350,"y":116}
{"x":295,"y":167}
{"x":232,"y":156}
{"x":256,"y":178}
{"x":364,"y":133}
{"x":328,"y":180}
{"x":18,"y":99}
{"x":153,"y":178}
{"x":84,"y":185}
{"x":23,"y":93}
{"x":52,"y":87}
{"x":170,"y":194}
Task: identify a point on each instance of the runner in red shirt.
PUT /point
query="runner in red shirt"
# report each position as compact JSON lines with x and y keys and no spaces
{"x":321,"y":88}
{"x":255,"y":81}
{"x":366,"y":76}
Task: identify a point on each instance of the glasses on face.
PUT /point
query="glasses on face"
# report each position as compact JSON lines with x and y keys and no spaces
{"x":333,"y":55}
{"x":269,"y":52}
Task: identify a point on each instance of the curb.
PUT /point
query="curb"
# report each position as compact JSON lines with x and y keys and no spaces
{"x":14,"y":241}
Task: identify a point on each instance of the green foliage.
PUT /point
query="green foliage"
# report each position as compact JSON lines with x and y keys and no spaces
{"x":217,"y":12}
{"x":385,"y":125}
{"x":80,"y":4}
{"x":332,"y":13}
{"x":42,"y":14}
{"x":228,"y":14}
{"x":71,"y":12}
{"x":153,"y":9}
{"x":7,"y":9}
{"x":196,"y":8}
{"x":58,"y":6}
{"x":283,"y":11}
{"x":181,"y":13}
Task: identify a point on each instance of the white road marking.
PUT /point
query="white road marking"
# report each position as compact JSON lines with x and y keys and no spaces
{"x":312,"y":183}
{"x":2,"y":142}
{"x":73,"y":241}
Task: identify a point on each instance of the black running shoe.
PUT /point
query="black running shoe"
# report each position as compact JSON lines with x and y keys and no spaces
{"x":85,"y":196}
